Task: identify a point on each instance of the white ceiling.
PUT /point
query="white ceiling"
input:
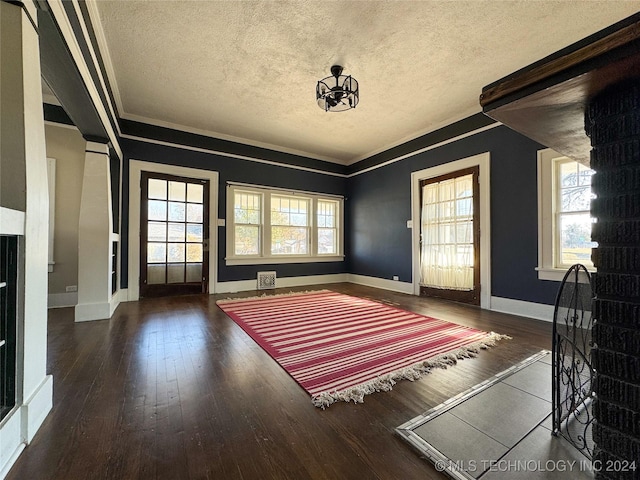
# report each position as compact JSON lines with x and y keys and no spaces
{"x":247,"y":70}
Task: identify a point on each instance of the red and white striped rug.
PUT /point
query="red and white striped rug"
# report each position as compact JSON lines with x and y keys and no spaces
{"x":339,"y":347}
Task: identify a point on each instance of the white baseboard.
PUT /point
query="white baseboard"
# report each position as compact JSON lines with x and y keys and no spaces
{"x":123,"y":295}
{"x":538,"y":311}
{"x":383,"y":283}
{"x":60,"y":300}
{"x":284,"y":282}
{"x":11,"y":441}
{"x":20,"y":426}
{"x":86,"y":312}
{"x":37,"y":407}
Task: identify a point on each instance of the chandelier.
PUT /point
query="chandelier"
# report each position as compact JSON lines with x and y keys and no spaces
{"x":337,"y":92}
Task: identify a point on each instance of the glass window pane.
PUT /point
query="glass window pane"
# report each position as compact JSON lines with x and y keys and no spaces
{"x":194,"y":232}
{"x":575,"y":239}
{"x":155,"y":274}
{"x":194,"y":212}
{"x":194,"y":193}
{"x":175,"y":273}
{"x":194,"y":272}
{"x":327,"y":241}
{"x":569,"y":174}
{"x":575,"y":199}
{"x":156,"y":252}
{"x":584,"y":174}
{"x":157,"y":231}
{"x":247,"y":208}
{"x":289,"y":211}
{"x":465,"y":207}
{"x":247,"y":240}
{"x":176,"y":232}
{"x":194,"y":252}
{"x":464,"y":186}
{"x":157,"y":210}
{"x":464,"y":232}
{"x":176,"y":211}
{"x":289,"y":241}
{"x":446,"y":233}
{"x":177,"y":191}
{"x":446,"y":210}
{"x":299,"y":219}
{"x":175,"y":252}
{"x":157,"y":189}
{"x":326,"y":214}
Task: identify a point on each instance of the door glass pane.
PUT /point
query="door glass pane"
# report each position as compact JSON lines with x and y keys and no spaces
{"x":175,"y":273}
{"x":157,"y":231}
{"x":194,"y":193}
{"x":194,"y":232}
{"x":175,"y":252}
{"x":155,"y":274}
{"x":447,"y":250}
{"x":194,"y":272}
{"x":194,"y":212}
{"x":176,"y":232}
{"x":157,"y":210}
{"x":157,"y":189}
{"x":177,"y":191}
{"x":194,"y":252}
{"x":176,"y":212}
{"x":156,"y":252}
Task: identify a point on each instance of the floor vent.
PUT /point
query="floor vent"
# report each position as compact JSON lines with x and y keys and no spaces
{"x":266,"y":280}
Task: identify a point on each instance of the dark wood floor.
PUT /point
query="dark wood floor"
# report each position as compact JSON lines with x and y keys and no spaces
{"x":174,"y":389}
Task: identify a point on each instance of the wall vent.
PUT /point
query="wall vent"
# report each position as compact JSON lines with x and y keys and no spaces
{"x":266,"y":280}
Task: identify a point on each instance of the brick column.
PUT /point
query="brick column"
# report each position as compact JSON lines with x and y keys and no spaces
{"x":613,"y":124}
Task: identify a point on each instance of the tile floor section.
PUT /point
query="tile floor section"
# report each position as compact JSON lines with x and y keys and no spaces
{"x":499,"y":429}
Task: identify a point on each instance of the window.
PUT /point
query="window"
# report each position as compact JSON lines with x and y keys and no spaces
{"x":327,"y":227}
{"x":278,"y":226}
{"x":564,"y":219}
{"x":247,"y":219}
{"x":289,"y":225}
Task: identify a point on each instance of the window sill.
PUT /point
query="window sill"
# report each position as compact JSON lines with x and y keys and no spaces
{"x":554,"y":274}
{"x":277,"y":260}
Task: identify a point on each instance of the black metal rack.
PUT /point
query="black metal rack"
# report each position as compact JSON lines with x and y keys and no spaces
{"x":573,"y":373}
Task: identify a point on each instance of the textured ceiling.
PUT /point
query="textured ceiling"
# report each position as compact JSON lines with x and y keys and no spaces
{"x":247,"y":70}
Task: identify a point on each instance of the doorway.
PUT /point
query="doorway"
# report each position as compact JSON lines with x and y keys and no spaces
{"x":450,"y":236}
{"x":174,"y":235}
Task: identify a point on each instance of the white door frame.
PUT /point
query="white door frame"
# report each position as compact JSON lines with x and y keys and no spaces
{"x":483,"y":161}
{"x":136,"y":167}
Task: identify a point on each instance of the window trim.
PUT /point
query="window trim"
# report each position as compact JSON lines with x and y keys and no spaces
{"x":265,"y":256}
{"x":546,"y":212}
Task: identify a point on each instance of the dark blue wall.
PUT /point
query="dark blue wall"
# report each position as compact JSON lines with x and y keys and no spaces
{"x":231,"y":169}
{"x":378,"y":242}
{"x":378,"y":205}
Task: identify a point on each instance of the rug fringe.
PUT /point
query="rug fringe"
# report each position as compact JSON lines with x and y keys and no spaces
{"x":266,"y":295}
{"x":384,"y":383}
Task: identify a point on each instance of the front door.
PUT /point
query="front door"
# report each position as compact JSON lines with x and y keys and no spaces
{"x":174,"y":231}
{"x":450,"y":236}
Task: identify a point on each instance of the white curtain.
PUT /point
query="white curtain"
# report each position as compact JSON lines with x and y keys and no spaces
{"x":447,"y":255}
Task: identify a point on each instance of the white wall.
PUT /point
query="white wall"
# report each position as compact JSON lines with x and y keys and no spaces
{"x":67,"y":147}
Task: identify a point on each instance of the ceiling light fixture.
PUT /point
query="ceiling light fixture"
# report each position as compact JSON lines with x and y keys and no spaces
{"x":337,"y":92}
